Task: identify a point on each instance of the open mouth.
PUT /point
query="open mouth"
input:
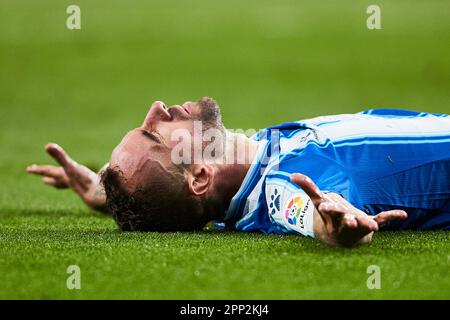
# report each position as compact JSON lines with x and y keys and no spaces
{"x":187,"y":106}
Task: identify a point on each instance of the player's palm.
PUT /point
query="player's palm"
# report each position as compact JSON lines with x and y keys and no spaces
{"x":342,"y":223}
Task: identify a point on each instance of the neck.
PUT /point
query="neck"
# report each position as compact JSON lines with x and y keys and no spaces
{"x":229,"y":176}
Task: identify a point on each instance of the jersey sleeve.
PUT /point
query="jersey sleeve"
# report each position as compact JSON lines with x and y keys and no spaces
{"x":289,"y":207}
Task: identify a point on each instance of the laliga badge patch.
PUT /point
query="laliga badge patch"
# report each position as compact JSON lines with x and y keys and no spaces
{"x":298,"y":209}
{"x":289,"y":207}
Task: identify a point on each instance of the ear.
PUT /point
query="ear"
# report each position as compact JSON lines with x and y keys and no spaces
{"x":199,"y":179}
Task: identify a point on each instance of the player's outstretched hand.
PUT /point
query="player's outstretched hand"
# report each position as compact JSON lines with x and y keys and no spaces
{"x":337,"y":222}
{"x":70,"y":174}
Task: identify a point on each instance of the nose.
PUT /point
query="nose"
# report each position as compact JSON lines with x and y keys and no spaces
{"x":157,"y":112}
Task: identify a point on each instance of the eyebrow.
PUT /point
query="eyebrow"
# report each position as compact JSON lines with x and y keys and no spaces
{"x":150,"y":135}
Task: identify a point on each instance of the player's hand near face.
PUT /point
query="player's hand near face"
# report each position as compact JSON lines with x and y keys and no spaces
{"x":70,"y":174}
{"x":337,"y":222}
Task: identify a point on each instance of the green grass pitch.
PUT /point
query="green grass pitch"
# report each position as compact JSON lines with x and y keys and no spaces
{"x":266,"y":62}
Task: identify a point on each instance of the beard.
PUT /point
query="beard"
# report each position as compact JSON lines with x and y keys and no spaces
{"x":211,"y":119}
{"x":210,"y":114}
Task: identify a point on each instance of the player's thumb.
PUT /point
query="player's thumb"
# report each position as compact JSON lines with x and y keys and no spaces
{"x":59,"y":155}
{"x":384,"y":217}
{"x":308,"y":186}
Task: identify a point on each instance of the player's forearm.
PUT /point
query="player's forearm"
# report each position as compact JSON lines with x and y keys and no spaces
{"x":95,"y":196}
{"x":98,"y":199}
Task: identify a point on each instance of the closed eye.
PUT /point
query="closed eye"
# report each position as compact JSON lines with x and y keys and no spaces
{"x":152,"y":136}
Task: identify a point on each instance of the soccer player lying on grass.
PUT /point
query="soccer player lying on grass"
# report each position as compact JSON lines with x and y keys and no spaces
{"x":335,"y":178}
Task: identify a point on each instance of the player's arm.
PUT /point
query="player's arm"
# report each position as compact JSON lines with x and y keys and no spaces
{"x":70,"y":174}
{"x":337,"y":222}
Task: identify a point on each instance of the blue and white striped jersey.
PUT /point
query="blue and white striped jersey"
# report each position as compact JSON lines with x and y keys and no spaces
{"x":378,"y":159}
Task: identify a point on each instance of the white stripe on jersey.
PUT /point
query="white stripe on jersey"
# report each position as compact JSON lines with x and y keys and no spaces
{"x":369,"y":126}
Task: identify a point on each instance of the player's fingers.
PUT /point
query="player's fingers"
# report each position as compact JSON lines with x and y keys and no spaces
{"x":386,"y":216}
{"x":45,"y":170}
{"x":309,"y":187}
{"x":333,"y":208}
{"x":367,"y":223}
{"x":50,"y":181}
{"x":71,"y":168}
{"x":59,"y":155}
{"x":334,"y":213}
{"x":349,"y":221}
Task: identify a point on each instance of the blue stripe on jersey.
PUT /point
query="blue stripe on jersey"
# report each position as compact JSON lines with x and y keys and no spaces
{"x":400,"y":113}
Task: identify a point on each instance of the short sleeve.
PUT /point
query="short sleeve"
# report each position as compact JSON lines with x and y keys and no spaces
{"x":289,"y":207}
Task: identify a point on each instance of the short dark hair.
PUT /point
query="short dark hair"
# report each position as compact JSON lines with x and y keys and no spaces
{"x":164,"y":204}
